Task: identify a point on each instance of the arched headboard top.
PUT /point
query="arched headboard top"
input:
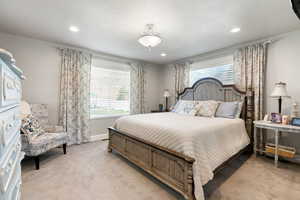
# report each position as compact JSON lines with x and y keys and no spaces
{"x":212,"y":89}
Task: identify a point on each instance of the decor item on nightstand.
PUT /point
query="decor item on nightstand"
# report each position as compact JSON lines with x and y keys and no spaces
{"x":276,"y":118}
{"x":167,"y":95}
{"x":285,"y":119}
{"x":295,"y":110}
{"x":160,"y":107}
{"x":278,"y":92}
{"x":295,"y":121}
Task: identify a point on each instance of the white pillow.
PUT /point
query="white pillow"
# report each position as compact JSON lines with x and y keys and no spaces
{"x":184,"y":107}
{"x":231,"y":109}
{"x":206,"y":108}
{"x":239,"y":110}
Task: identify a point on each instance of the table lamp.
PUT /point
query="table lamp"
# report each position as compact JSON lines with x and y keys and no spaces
{"x":25,"y":109}
{"x":167,"y":95}
{"x":278,"y":92}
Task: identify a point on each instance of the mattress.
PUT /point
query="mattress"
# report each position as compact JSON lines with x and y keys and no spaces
{"x":210,"y":141}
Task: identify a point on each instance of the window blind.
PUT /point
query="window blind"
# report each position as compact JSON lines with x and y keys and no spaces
{"x":220,"y":68}
{"x":110,"y":89}
{"x":222,"y":73}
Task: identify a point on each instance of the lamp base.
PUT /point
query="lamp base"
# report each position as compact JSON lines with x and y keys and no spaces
{"x":279,"y":104}
{"x":167,"y":106}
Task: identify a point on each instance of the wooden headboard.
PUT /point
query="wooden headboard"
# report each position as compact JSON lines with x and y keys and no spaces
{"x":213,"y":89}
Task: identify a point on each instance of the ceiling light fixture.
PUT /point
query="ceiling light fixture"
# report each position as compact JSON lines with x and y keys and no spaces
{"x":235,"y":30}
{"x":163,"y":54}
{"x":74,"y":29}
{"x":149,"y":38}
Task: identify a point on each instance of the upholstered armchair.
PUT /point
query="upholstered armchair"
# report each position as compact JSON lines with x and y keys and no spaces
{"x":46,"y":136}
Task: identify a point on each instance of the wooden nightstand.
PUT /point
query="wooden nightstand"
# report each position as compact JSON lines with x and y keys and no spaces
{"x":277,"y":128}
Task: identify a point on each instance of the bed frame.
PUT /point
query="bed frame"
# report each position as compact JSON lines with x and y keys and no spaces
{"x":170,"y":167}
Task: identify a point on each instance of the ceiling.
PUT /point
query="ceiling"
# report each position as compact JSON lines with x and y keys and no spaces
{"x":112,"y":26}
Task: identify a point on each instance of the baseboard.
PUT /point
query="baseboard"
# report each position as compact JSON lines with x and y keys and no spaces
{"x":94,"y":138}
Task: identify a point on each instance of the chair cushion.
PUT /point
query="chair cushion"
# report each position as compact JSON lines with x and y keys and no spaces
{"x":31,"y":127}
{"x":43,"y":143}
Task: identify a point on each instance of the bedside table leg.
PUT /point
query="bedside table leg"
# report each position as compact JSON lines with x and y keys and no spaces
{"x":255,"y":141}
{"x":276,"y":147}
{"x":261,"y":141}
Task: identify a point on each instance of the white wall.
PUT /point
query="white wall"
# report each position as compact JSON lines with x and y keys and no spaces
{"x":40,"y":62}
{"x":284,"y":65}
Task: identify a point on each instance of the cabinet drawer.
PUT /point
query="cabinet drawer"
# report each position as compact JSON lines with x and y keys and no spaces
{"x":14,"y":190}
{"x":10,"y":123}
{"x":11,"y":87}
{"x":9,"y":164}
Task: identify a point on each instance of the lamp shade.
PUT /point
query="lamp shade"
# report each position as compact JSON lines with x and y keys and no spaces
{"x":279,"y":90}
{"x":25,"y":109}
{"x":166,"y":93}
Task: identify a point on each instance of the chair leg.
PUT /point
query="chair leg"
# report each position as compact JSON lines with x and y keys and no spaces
{"x":37,"y":162}
{"x":65,"y":148}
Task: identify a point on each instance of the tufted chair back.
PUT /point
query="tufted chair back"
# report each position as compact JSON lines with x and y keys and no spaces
{"x":41,"y":112}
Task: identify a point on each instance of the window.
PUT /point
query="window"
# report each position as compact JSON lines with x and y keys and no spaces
{"x":221,"y":69}
{"x":110,"y":88}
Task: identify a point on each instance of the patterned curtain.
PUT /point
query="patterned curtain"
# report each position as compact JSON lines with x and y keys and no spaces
{"x":74,"y":108}
{"x":137,"y":88}
{"x":182,"y":77}
{"x":250,"y":66}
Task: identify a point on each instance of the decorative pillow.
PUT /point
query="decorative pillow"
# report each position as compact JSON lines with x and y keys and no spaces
{"x":239,"y":110}
{"x":206,"y":108}
{"x":227,"y":109}
{"x":184,"y":107}
{"x":31,"y":127}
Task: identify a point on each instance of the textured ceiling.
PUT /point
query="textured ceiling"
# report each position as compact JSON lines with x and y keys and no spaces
{"x":112,"y":26}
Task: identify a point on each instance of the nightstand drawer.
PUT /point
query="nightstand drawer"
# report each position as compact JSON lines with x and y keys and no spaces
{"x":11,"y":87}
{"x":10,"y":123}
{"x":8,"y":165}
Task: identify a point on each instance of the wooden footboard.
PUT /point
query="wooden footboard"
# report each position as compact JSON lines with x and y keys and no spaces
{"x":172,"y":168}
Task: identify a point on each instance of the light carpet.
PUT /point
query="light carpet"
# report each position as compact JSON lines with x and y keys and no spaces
{"x":88,"y":172}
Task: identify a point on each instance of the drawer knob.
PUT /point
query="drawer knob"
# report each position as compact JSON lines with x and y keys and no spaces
{"x":9,"y":85}
{"x":9,"y":126}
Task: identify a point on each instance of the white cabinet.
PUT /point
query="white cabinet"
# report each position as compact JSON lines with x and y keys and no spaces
{"x":10,"y":122}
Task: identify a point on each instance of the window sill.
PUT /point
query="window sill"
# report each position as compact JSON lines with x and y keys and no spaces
{"x":107,"y":116}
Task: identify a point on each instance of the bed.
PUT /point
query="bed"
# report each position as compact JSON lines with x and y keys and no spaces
{"x":169,"y":147}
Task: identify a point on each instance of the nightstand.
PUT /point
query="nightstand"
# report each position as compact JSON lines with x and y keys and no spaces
{"x":276,"y":128}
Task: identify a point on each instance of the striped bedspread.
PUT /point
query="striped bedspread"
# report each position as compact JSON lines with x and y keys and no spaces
{"x":211,"y":141}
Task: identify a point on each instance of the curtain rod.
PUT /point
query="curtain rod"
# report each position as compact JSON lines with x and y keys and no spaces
{"x":224,"y":51}
{"x":103,"y":56}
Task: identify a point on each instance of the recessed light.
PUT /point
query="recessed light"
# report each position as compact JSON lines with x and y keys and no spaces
{"x":163,"y":54}
{"x":74,"y":29}
{"x":235,"y":30}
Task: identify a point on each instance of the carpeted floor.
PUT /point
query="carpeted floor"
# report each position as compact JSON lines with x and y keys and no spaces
{"x":88,"y":172}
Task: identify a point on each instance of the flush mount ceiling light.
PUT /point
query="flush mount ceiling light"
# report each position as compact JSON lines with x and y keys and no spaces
{"x":74,"y":29}
{"x":163,"y":54}
{"x":149,"y":38}
{"x":235,"y":30}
